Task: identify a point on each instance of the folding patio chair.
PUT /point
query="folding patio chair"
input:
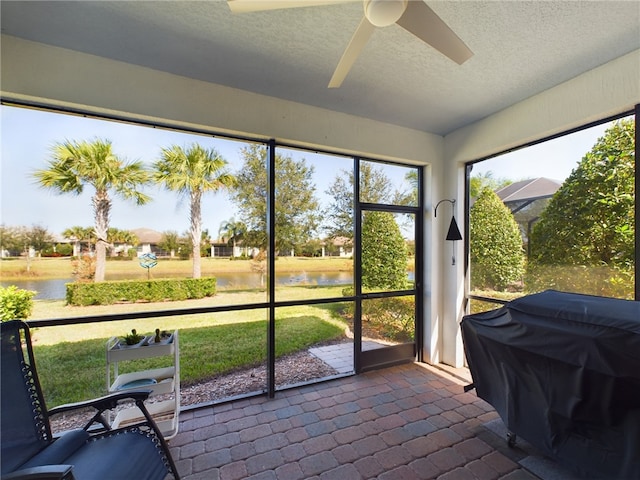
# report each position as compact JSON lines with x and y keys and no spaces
{"x":29,"y":450}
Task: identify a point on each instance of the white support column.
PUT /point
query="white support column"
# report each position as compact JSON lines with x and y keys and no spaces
{"x":453,"y":293}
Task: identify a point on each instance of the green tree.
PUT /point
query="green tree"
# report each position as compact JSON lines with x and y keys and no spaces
{"x":77,"y":164}
{"x":375,"y":187}
{"x":170,"y":242}
{"x":409,"y":197}
{"x":296,"y":207}
{"x":125,"y":237}
{"x":232,"y":231}
{"x":384,"y":252}
{"x":205,"y":243}
{"x":12,"y":239}
{"x":39,"y":238}
{"x":193,"y":171}
{"x":129,"y":238}
{"x":17,"y":241}
{"x":313,"y":248}
{"x":479,"y":182}
{"x":78,"y":234}
{"x":590,"y":219}
{"x":497,"y":256}
{"x":64,"y":249}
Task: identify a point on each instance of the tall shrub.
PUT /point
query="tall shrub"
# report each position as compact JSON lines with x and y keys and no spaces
{"x":585,"y":239}
{"x":497,"y":256}
{"x":590,"y":219}
{"x":15,"y":303}
{"x":384,"y":252}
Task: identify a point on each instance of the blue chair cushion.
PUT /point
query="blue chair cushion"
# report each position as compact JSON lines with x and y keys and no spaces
{"x":58,"y":451}
{"x":104,"y":457}
{"x":110,"y":457}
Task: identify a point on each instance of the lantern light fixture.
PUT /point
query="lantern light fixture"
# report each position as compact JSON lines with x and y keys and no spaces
{"x":453,"y":233}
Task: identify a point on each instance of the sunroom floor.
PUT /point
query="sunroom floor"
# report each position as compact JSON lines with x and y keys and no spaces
{"x":412,"y":421}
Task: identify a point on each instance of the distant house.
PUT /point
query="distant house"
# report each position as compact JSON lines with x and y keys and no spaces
{"x":330,"y":247}
{"x":339,"y":246}
{"x":527,"y":199}
{"x":221,"y":248}
{"x":148,"y":241}
{"x":520,"y":195}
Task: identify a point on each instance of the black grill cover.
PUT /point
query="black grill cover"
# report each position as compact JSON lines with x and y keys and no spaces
{"x":563,"y":372}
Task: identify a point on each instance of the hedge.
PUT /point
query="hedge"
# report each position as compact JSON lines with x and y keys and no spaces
{"x":108,"y":293}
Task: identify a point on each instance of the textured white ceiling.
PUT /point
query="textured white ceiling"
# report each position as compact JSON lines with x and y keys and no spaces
{"x":520,"y":48}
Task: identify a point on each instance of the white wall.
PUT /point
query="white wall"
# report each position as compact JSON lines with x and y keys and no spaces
{"x":605,"y":91}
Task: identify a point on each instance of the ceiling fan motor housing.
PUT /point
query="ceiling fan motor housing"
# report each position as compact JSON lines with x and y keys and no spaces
{"x":383,"y":13}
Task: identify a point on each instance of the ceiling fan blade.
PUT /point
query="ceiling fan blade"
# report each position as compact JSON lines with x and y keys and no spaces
{"x":423,"y":22}
{"x":246,"y":6}
{"x":357,"y":43}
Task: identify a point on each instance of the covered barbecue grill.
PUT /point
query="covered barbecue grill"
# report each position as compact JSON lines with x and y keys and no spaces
{"x":563,"y":372}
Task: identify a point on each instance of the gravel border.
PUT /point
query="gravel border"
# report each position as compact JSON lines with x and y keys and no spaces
{"x":290,"y":369}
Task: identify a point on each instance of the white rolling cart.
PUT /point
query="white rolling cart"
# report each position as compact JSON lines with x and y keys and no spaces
{"x":160,"y":381}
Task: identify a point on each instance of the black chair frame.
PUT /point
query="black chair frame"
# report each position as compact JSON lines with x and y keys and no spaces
{"x":24,"y":443}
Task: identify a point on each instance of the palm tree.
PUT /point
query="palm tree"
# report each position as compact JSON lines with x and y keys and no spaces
{"x":205,"y":243}
{"x":113,"y":236}
{"x":232,"y":231}
{"x":129,"y":239}
{"x":124,"y":237}
{"x":78,"y":234}
{"x":76,"y":164}
{"x":192,"y":172}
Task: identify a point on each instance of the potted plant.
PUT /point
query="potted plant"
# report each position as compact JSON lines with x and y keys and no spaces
{"x":132,"y":339}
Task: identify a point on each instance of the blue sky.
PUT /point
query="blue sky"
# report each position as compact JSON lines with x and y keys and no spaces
{"x":28,"y":135}
{"x":27,"y":138}
{"x":553,"y":159}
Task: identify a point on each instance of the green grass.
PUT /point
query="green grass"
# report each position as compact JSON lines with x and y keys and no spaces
{"x":71,"y":359}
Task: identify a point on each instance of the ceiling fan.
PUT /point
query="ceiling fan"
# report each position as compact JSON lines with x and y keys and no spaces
{"x":415,"y":16}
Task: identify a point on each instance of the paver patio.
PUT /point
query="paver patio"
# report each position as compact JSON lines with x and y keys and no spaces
{"x":412,"y":421}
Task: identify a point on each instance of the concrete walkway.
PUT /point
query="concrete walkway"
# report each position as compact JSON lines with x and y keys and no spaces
{"x":340,"y":355}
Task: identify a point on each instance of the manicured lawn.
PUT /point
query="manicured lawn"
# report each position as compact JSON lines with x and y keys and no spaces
{"x":71,"y":359}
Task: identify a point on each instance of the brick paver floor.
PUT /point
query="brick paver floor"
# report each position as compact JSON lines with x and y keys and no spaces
{"x":412,"y":421}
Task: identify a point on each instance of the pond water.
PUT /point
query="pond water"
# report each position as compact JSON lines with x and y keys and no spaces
{"x":55,"y":289}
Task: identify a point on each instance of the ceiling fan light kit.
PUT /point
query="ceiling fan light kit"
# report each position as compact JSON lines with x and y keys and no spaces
{"x":414,"y":16}
{"x":382,"y":13}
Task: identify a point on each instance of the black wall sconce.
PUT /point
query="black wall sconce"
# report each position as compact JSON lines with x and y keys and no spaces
{"x":454,"y":232}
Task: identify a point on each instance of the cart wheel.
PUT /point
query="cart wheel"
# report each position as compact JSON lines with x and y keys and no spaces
{"x":511,"y":439}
